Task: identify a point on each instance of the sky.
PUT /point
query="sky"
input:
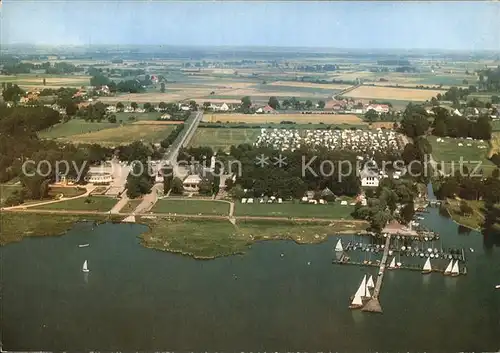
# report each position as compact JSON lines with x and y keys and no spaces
{"x":367,"y":25}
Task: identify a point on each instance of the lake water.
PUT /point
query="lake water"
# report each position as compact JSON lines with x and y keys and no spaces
{"x":141,"y":299}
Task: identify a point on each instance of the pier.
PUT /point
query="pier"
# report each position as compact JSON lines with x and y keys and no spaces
{"x":373,"y":305}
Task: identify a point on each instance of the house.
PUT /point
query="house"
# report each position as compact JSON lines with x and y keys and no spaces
{"x":99,"y":178}
{"x":369,"y":178}
{"x":224,"y":107}
{"x":267,"y":110}
{"x":379,"y":108}
{"x":191,"y":183}
{"x":104,"y":89}
{"x":165,"y":117}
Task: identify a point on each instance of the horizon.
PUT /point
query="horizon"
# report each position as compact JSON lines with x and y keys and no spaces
{"x":463,"y":26}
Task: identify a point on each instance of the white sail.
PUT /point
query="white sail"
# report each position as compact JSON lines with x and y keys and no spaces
{"x":393,"y":263}
{"x":361,"y":292}
{"x":85,"y":268}
{"x":449,"y":267}
{"x":357,"y":300}
{"x":367,"y":292}
{"x":455,"y":270}
{"x":427,"y":266}
{"x":370,"y":283}
{"x":339,"y":247}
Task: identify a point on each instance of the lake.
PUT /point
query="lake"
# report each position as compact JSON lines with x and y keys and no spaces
{"x":141,"y":299}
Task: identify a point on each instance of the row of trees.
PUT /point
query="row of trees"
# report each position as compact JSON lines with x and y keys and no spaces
{"x":458,"y":126}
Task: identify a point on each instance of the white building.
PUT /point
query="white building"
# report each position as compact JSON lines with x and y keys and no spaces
{"x":191,"y":183}
{"x":369,"y":178}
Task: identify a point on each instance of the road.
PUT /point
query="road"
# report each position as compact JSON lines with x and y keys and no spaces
{"x":183,"y":138}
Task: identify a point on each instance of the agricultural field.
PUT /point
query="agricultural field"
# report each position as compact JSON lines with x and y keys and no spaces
{"x":223,"y":138}
{"x":182,"y":206}
{"x":297,"y":210}
{"x":75,"y":127}
{"x":449,"y":150}
{"x":125,"y":134}
{"x":388,"y":93}
{"x":277,"y":118}
{"x":30,"y":81}
{"x":298,"y":84}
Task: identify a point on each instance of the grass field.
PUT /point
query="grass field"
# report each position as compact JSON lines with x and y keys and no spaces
{"x":99,"y":203}
{"x":223,"y":138}
{"x":207,"y":239}
{"x":182,"y":206}
{"x":277,"y":118}
{"x":296,"y":210}
{"x":130,"y":206}
{"x":125,"y":134}
{"x":69,"y":191}
{"x":75,"y":127}
{"x":449,"y":150}
{"x":330,"y":86}
{"x":381,"y":93}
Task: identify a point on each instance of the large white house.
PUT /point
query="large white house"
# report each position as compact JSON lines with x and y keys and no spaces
{"x":369,"y":178}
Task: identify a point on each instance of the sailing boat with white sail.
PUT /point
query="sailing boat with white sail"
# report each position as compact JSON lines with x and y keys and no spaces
{"x":448,"y":268}
{"x":455,"y":271}
{"x":370,"y":283}
{"x":85,"y":267}
{"x":427,"y":267}
{"x":392,"y":265}
{"x":339,"y":247}
{"x":357,"y":301}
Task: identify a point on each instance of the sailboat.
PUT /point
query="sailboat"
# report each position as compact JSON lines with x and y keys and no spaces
{"x":448,"y":268}
{"x":427,"y":267}
{"x":497,"y":286}
{"x":392,"y":265}
{"x":370,"y":283}
{"x":455,"y":271}
{"x":357,"y":301}
{"x":85,"y":268}
{"x":339,"y":247}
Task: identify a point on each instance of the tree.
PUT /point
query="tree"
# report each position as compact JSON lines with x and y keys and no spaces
{"x":495,"y":173}
{"x":286,"y":104}
{"x":206,"y":105}
{"x":371,"y":115}
{"x":120,"y":106}
{"x":246,"y":103}
{"x":134,"y":105}
{"x":237,"y":192}
{"x":205,"y":187}
{"x":407,"y":213}
{"x":321,"y":104}
{"x":71,"y":108}
{"x":162,"y":106}
{"x":112,"y":119}
{"x":146,"y":106}
{"x":308,"y":104}
{"x":44,"y":82}
{"x":12,"y":93}
{"x":193,"y":105}
{"x":176,"y":187}
{"x":274,"y":103}
{"x":44,"y":189}
{"x":162,"y":87}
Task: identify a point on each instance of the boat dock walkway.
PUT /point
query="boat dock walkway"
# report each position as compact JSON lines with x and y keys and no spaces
{"x":373,"y":304}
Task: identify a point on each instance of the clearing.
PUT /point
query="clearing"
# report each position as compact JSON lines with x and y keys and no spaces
{"x":75,"y":127}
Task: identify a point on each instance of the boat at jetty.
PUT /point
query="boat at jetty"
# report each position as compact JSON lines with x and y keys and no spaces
{"x":448,"y":268}
{"x":497,"y":286}
{"x":455,"y":271}
{"x":357,"y":300}
{"x":83,"y":245}
{"x":392,"y":265}
{"x":427,"y":267}
{"x":370,"y":283}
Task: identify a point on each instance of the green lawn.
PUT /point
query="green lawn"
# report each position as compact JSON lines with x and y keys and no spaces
{"x":66,"y":191}
{"x":182,"y":206}
{"x":223,"y":138}
{"x":474,"y":221}
{"x":449,"y":150}
{"x":98,"y":203}
{"x":124,"y":117}
{"x":75,"y":127}
{"x":296,"y":210}
{"x":130,"y":206}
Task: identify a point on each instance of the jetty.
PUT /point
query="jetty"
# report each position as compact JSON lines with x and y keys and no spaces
{"x":373,"y":305}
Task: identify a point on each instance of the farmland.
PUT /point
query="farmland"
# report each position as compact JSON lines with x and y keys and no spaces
{"x":30,"y":81}
{"x":277,"y":118}
{"x":372,"y":92}
{"x":125,"y":134}
{"x":75,"y":127}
